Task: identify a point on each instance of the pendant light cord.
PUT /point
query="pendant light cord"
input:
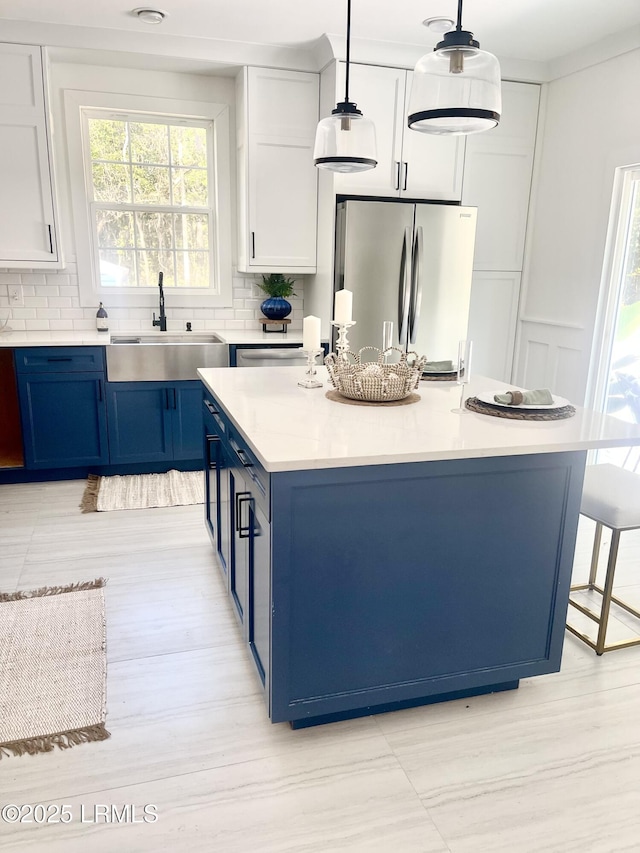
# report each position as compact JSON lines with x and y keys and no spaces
{"x":459,"y":22}
{"x":346,"y":90}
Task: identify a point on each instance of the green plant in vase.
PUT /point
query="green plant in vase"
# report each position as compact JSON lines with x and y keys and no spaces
{"x":277,"y":288}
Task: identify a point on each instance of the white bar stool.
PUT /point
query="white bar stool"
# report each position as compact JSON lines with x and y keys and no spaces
{"x":611,"y":497}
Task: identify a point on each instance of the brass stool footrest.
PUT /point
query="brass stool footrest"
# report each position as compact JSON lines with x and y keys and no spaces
{"x":619,"y":644}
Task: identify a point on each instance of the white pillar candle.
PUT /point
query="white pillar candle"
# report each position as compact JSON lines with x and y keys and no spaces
{"x":311,"y":334}
{"x":343,"y":306}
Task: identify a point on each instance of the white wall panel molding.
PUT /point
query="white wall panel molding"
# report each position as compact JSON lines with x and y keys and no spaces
{"x":553,"y":355}
{"x":546,"y":322}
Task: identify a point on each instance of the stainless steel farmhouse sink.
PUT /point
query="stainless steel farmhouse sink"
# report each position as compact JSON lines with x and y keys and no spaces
{"x":165,"y":357}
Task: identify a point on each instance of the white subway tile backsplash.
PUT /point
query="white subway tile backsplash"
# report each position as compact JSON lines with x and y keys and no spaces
{"x":33,"y":278}
{"x":48,"y":290}
{"x":52,"y":301}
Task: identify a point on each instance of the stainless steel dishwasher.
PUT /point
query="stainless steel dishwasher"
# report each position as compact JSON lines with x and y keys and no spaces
{"x":269,"y":357}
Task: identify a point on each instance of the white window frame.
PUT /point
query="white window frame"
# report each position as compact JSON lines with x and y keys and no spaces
{"x":610,"y":285}
{"x":91,"y":291}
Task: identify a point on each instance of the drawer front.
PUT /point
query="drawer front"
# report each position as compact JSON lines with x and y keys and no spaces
{"x":253,"y":470}
{"x":59,"y":359}
{"x":217,"y":419}
{"x":240,"y":455}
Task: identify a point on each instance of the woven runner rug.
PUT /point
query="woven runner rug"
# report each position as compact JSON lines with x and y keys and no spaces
{"x":53,"y":668}
{"x":141,"y":491}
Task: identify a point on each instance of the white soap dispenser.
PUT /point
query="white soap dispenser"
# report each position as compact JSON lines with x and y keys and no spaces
{"x":102,"y":324}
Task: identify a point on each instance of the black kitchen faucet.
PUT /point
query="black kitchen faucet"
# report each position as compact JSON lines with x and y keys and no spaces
{"x":162,"y":319}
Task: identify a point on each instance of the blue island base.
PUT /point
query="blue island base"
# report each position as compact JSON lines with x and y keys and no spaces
{"x":400,"y":706}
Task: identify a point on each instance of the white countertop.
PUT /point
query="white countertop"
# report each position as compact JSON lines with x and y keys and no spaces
{"x":95,"y":338}
{"x":291,"y":428}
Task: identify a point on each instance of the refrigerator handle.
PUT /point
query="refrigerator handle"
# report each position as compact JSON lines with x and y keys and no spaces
{"x":416,"y":284}
{"x":397,"y":182}
{"x":404,"y":289}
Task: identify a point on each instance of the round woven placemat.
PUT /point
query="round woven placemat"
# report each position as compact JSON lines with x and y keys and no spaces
{"x":476,"y":405}
{"x":337,"y":397}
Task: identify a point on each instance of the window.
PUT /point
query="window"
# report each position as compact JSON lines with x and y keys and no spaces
{"x":615,"y":366}
{"x":151,"y":195}
{"x":149,"y":200}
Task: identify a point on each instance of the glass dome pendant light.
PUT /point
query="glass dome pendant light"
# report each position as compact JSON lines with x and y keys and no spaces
{"x":456,"y":88}
{"x":346,"y":140}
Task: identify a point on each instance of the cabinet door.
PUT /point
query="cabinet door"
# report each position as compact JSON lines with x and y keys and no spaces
{"x":432,"y":165}
{"x":259,"y":627}
{"x":63,"y":419}
{"x":493,"y":314}
{"x":27,"y":226}
{"x":379,"y":93}
{"x":140,"y":421}
{"x":217,"y":511}
{"x":497,"y":179}
{"x":240,"y":515}
{"x":187,"y":420}
{"x":281,"y":180}
{"x":211,"y":462}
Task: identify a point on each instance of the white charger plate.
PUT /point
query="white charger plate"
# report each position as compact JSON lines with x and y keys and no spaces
{"x":558,"y":402}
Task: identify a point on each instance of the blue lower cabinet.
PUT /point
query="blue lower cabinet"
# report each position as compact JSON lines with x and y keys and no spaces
{"x":398,"y":585}
{"x":187,"y":420}
{"x":140,"y":421}
{"x":154,"y":421}
{"x":64,"y":419}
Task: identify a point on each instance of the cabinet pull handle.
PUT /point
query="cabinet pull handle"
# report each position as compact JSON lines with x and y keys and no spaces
{"x":58,"y":358}
{"x":242,"y":456}
{"x":397,"y":183}
{"x":253,"y":244}
{"x":50,"y":239}
{"x":243,"y":530}
{"x":99,"y":390}
{"x":211,"y":408}
{"x":211,"y":441}
{"x":406,"y":175}
{"x":175,"y":399}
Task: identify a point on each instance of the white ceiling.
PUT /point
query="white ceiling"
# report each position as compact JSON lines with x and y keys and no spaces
{"x":538,"y":30}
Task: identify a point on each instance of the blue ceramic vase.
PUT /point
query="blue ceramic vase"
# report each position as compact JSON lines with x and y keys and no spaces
{"x":276,"y":308}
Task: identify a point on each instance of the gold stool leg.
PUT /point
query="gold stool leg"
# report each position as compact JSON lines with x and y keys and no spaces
{"x":608,"y":590}
{"x":595,"y":554}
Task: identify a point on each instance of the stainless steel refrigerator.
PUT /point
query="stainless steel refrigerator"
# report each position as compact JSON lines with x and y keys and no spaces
{"x":411,"y":263}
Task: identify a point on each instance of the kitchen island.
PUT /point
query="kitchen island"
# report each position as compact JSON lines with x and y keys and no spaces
{"x":383,"y":557}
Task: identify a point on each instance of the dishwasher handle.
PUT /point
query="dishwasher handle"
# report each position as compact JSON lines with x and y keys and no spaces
{"x":280,"y":354}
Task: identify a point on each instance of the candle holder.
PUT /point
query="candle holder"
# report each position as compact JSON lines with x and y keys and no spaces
{"x":342,"y":344}
{"x":311,"y":381}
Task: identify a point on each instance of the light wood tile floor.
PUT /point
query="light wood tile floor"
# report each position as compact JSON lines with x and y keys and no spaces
{"x":552,"y":766}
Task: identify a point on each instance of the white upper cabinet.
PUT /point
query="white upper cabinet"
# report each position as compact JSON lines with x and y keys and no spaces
{"x":497,"y":179}
{"x":277,"y":179}
{"x":410,"y":164}
{"x":28,"y":227}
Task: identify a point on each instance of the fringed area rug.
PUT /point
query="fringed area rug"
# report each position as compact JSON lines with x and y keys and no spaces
{"x":53,"y":668}
{"x":142,"y":491}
